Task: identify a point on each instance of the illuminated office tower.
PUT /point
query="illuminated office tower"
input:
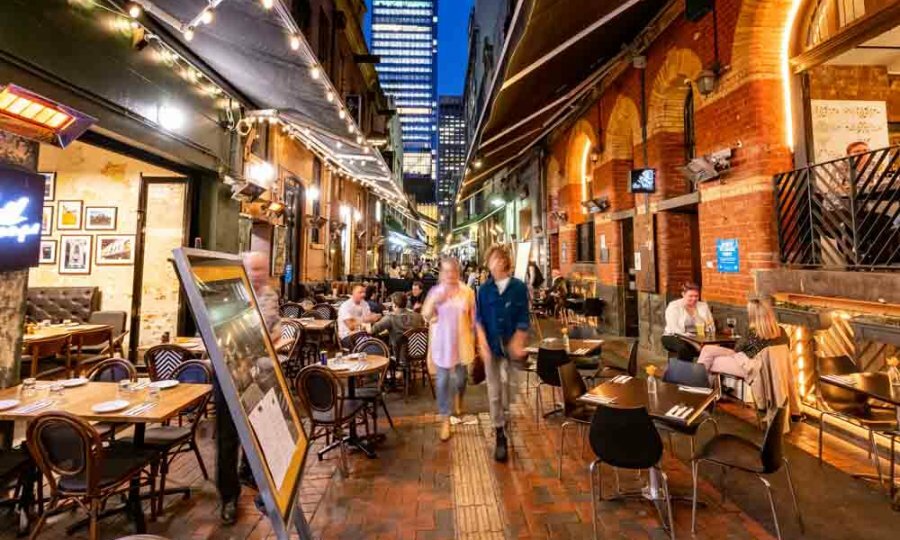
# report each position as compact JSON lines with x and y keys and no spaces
{"x":451,"y":152}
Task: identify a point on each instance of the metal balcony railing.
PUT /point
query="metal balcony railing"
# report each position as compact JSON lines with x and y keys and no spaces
{"x":841,"y":214}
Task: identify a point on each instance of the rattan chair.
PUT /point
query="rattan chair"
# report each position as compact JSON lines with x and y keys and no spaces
{"x":112,"y":370}
{"x":55,"y":350}
{"x":91,"y":339}
{"x":163,"y":360}
{"x":290,"y":310}
{"x":412,"y":358}
{"x":373,"y":392}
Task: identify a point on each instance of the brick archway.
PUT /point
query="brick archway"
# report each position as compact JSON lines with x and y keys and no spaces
{"x":670,"y":86}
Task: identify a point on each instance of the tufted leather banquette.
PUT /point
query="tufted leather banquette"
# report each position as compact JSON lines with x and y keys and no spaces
{"x":59,"y":303}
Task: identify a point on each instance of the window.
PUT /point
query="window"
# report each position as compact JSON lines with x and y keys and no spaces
{"x":584,"y":242}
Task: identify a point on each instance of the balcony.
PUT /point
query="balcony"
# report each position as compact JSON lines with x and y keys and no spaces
{"x":842,"y":214}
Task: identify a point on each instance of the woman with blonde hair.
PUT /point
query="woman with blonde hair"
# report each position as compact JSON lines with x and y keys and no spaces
{"x":450,"y":308}
{"x":763,"y":332}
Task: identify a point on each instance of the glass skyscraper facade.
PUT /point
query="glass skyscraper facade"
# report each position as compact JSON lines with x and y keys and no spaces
{"x":404,"y":35}
{"x":451,"y":152}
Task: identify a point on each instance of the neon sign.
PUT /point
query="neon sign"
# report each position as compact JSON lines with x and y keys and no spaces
{"x":21,"y":209}
{"x":11,"y":219}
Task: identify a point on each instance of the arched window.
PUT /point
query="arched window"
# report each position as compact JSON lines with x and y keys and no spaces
{"x":586,"y":173}
{"x":829,"y":17}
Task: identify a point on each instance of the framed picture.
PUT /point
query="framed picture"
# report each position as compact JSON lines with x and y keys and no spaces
{"x":47,"y":221}
{"x":69,"y":215}
{"x":75,"y":254}
{"x":115,"y":249}
{"x":100,"y":218}
{"x":48,"y":252}
{"x":49,"y":186}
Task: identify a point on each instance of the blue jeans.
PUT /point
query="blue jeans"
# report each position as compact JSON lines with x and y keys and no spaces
{"x":444,"y":375}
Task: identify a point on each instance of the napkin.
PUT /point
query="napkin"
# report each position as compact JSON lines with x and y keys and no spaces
{"x":695,"y":389}
{"x":598,"y":399}
{"x":680,"y":411}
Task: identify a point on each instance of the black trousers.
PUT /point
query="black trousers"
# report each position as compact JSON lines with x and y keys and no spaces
{"x":680,"y":348}
{"x":228,"y":450}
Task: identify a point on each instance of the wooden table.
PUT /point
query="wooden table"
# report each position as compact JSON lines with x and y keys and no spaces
{"x":315,"y":325}
{"x":191,"y":343}
{"x":578,"y":348}
{"x":634,"y":394}
{"x":715,"y":339}
{"x":374,"y":364}
{"x":59,"y":330}
{"x":876,"y":386}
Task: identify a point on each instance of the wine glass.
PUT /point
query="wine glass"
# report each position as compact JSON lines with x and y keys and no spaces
{"x":731,"y":323}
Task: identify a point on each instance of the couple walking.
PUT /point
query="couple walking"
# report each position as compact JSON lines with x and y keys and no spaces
{"x":496,"y":322}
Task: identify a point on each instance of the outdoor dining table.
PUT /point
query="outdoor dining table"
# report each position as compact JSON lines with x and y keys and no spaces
{"x":80,"y":400}
{"x":58,"y":330}
{"x":875,"y":386}
{"x":350,"y":370}
{"x":315,"y":325}
{"x":724,"y":340}
{"x":578,"y":348}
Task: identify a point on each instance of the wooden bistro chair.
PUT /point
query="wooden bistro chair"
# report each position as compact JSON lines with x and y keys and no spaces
{"x":412,"y":358}
{"x":116,"y":319}
{"x":373,"y":391}
{"x":79,"y":469}
{"x":84,"y":344}
{"x":47,"y":356}
{"x":163,"y":360}
{"x":112,"y":370}
{"x":290,"y":310}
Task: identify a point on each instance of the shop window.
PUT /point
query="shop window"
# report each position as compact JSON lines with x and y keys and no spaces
{"x":584,"y":242}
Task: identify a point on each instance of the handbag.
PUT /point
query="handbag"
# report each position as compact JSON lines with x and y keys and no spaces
{"x":476,"y":372}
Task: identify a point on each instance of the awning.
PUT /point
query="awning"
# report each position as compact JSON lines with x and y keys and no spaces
{"x":476,"y":220}
{"x":556,"y":50}
{"x":265,"y":57}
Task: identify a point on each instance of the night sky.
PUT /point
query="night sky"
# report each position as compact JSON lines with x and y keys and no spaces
{"x":453,"y":43}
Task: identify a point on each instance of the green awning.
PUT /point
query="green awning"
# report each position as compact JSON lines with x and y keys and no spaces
{"x":476,"y":220}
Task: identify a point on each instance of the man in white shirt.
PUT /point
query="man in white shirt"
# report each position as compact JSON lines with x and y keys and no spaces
{"x":353,"y":314}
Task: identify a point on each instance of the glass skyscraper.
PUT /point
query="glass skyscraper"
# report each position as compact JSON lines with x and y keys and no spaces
{"x":451,"y":152}
{"x":404,"y":35}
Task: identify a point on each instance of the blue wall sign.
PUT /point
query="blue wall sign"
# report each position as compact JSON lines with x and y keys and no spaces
{"x":21,"y":211}
{"x":727,"y":256}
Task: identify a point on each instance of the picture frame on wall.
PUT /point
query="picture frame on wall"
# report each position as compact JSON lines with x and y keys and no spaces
{"x":115,"y":249}
{"x":100,"y":218}
{"x":75,"y":254}
{"x":48,"y":252}
{"x":69,"y":215}
{"x":49,"y":186}
{"x":47,"y":221}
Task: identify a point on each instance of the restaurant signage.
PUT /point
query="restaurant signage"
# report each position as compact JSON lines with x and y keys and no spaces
{"x":21,"y":211}
{"x":727,"y":255}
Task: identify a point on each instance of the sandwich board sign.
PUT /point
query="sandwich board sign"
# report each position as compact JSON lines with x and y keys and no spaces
{"x":250,"y":379}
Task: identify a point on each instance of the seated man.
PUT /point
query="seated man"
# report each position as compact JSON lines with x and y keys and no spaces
{"x":353,"y":314}
{"x":398,"y":321}
{"x":375,"y":306}
{"x":416,"y":296}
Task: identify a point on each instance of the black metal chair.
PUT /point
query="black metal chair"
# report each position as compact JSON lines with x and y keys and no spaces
{"x":575,"y":412}
{"x":412,"y":358}
{"x":593,"y":309}
{"x":372,"y":392}
{"x":852,"y":407}
{"x":291,"y":353}
{"x":613,"y":352}
{"x":548,"y":362}
{"x":625,"y":439}
{"x":322,"y":396}
{"x":163,"y":360}
{"x":290,"y":310}
{"x":687,"y":374}
{"x":735,"y":452}
{"x":78,"y":468}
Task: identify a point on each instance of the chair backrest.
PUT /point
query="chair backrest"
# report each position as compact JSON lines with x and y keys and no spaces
{"x":593,"y":307}
{"x":162,"y":360}
{"x":583,"y":332}
{"x":113,"y":370}
{"x":194,"y":372}
{"x":116,"y":319}
{"x":686,"y":373}
{"x":319,"y":390}
{"x":371,"y":345}
{"x":87,"y":338}
{"x":413,"y":345}
{"x":291,"y":330}
{"x":625,"y":438}
{"x":834,"y":396}
{"x":327,"y":309}
{"x":291,"y":310}
{"x":573,"y":386}
{"x":773,"y":444}
{"x":62,"y":445}
{"x":548,"y":362}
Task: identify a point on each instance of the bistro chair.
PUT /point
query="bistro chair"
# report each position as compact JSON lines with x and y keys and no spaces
{"x":330,"y":413}
{"x":290,"y":310}
{"x":19,"y":476}
{"x":79,"y":469}
{"x":687,"y":374}
{"x":291,"y":353}
{"x":54,"y":350}
{"x":852,"y":407}
{"x":735,"y":452}
{"x":575,"y":412}
{"x":170,"y":441}
{"x":625,"y":439}
{"x":593,"y":310}
{"x":547,"y":368}
{"x":348,"y":344}
{"x":616,"y":350}
{"x":163,"y":360}
{"x":112,"y":370}
{"x":85,"y":342}
{"x":374,"y":395}
{"x":326,"y":309}
{"x":116,"y":319}
{"x":412,"y":358}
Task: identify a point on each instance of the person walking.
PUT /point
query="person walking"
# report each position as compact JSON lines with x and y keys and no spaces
{"x":502,"y":327}
{"x":450,"y":306}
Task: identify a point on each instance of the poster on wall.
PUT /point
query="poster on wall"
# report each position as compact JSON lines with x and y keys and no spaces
{"x":49,"y":186}
{"x":75,"y":254}
{"x":727,"y":256}
{"x":115,"y":249}
{"x":100,"y":218}
{"x":47,"y":221}
{"x":838,"y":123}
{"x":279,"y":249}
{"x":21,"y":208}
{"x":48,"y":252}
{"x":69,"y":215}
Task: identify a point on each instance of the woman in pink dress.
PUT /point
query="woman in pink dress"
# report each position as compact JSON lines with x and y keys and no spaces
{"x":450,"y":309}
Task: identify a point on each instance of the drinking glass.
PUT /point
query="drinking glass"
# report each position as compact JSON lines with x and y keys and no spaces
{"x":731,"y":323}
{"x":338,"y":359}
{"x":29,"y":388}
{"x":124,"y":389}
{"x":362,"y":356}
{"x":153,"y":393}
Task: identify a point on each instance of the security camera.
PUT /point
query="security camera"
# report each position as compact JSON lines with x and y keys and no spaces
{"x":708,"y":167}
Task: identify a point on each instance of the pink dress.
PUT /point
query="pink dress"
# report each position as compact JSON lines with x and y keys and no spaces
{"x":452,"y":333}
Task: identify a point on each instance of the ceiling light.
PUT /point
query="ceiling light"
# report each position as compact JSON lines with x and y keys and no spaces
{"x":189,"y":34}
{"x":135,"y":10}
{"x":207,"y":16}
{"x":295,"y":43}
{"x":312,"y":193}
{"x":351,"y":128}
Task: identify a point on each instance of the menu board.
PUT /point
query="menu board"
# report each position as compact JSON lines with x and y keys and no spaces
{"x":249,"y":376}
{"x":838,"y":123}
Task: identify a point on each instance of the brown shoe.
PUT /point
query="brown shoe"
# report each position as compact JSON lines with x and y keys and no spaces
{"x":445,"y":430}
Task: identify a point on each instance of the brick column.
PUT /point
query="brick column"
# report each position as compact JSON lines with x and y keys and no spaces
{"x":13,"y":284}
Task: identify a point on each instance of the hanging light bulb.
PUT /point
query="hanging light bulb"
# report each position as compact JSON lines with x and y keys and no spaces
{"x":295,"y":42}
{"x":135,"y":10}
{"x":342,"y":114}
{"x":268,"y":3}
{"x":329,"y":96}
{"x":207,"y":16}
{"x":359,"y":139}
{"x":351,"y":128}
{"x":189,"y":34}
{"x":315,"y":72}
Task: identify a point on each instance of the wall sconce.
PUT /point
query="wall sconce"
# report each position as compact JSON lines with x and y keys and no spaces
{"x":707,"y":81}
{"x":595,"y":156}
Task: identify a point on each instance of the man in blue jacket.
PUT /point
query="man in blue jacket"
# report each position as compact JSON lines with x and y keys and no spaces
{"x":502,"y":316}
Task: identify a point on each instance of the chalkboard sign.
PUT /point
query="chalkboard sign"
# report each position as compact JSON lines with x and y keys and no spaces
{"x":250,"y":378}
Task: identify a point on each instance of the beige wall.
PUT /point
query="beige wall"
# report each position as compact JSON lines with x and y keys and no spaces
{"x":99,"y":178}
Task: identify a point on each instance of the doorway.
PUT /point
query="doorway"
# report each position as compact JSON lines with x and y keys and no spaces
{"x":156,"y":297}
{"x":295,"y":202}
{"x":630,"y":304}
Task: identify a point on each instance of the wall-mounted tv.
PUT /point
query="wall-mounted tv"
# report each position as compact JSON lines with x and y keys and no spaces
{"x":21,"y":211}
{"x":643,"y":181}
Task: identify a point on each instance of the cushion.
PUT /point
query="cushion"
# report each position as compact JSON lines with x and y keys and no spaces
{"x":59,"y":303}
{"x":120,"y":460}
{"x":163,"y":437}
{"x":733,"y":451}
{"x":351,"y":407}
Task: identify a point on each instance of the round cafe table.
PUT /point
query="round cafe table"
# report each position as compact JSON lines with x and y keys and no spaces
{"x":373,"y":365}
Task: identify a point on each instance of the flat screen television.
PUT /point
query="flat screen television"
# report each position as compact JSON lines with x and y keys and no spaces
{"x":643,"y":181}
{"x":21,"y":212}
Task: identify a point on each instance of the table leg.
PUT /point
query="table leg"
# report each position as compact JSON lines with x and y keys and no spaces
{"x":354,"y":440}
{"x":134,"y":487}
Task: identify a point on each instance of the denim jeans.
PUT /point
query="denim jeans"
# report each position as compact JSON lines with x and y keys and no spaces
{"x":444,"y":395}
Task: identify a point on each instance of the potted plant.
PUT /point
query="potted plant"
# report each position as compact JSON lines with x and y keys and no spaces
{"x":800,"y":315}
{"x":875,"y":328}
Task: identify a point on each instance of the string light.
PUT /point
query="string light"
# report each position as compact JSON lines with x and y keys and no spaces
{"x":341,"y":114}
{"x":135,"y":10}
{"x":315,"y":72}
{"x":268,"y":3}
{"x":207,"y":16}
{"x":295,"y":43}
{"x":189,"y":34}
{"x":329,"y":96}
